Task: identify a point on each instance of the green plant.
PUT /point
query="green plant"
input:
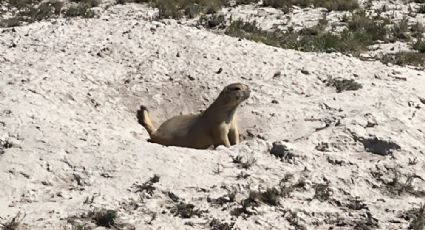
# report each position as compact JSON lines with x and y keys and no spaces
{"x":250,"y":31}
{"x":189,"y":8}
{"x":420,"y":45}
{"x":11,"y":22}
{"x":421,"y":9}
{"x":22,"y":4}
{"x":90,"y":3}
{"x":185,"y":210}
{"x":227,"y":198}
{"x":105,"y":218}
{"x":14,"y":223}
{"x":248,"y":205}
{"x":338,"y":5}
{"x":400,"y":29}
{"x":147,"y":186}
{"x":360,"y":33}
{"x":82,"y":10}
{"x":417,"y":30}
{"x":418,"y":222}
{"x":246,"y":2}
{"x":322,"y":192}
{"x":344,"y":85}
{"x":216,"y":224}
{"x":270,"y":196}
{"x":43,"y":11}
{"x":212,"y":21}
{"x":366,"y":30}
{"x":405,"y":58}
{"x":397,"y":186}
{"x":245,"y":164}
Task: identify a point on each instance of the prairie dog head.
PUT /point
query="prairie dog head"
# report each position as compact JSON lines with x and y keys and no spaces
{"x":233,"y":94}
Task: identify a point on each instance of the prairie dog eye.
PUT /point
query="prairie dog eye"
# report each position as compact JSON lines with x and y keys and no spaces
{"x":235,"y":88}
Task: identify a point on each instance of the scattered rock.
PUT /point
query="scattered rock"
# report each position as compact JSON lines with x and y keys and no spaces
{"x":4,"y":144}
{"x":335,"y":161}
{"x":173,"y":196}
{"x":306,"y":72}
{"x":190,"y":77}
{"x":281,"y":151}
{"x":219,"y":70}
{"x":371,"y":120}
{"x":380,"y":147}
{"x":216,"y":224}
{"x":342,"y":85}
{"x":322,"y":147}
{"x":186,"y":210}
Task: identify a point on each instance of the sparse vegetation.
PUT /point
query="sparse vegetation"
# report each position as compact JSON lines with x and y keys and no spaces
{"x":29,"y":11}
{"x":356,"y":204}
{"x":185,"y":210}
{"x":14,"y":223}
{"x":213,"y":21}
{"x":245,"y":164}
{"x":82,"y":10}
{"x":227,"y":198}
{"x":421,"y":9}
{"x":338,"y":5}
{"x":5,"y":145}
{"x":101,"y":217}
{"x":173,"y":196}
{"x":269,"y":196}
{"x":248,"y":205}
{"x":242,"y":175}
{"x":413,"y":161}
{"x":10,"y":22}
{"x":218,"y":169}
{"x":185,"y":8}
{"x":400,"y":30}
{"x":399,"y":184}
{"x":32,"y":11}
{"x":361,"y":32}
{"x":216,"y":224}
{"x":416,"y":216}
{"x":420,"y":45}
{"x":417,"y":30}
{"x":281,"y":151}
{"x":287,"y":187}
{"x":90,"y":3}
{"x":246,"y":2}
{"x":322,"y":192}
{"x":404,"y":58}
{"x":293,"y":219}
{"x":104,"y":217}
{"x":342,"y":85}
{"x":146,"y":186}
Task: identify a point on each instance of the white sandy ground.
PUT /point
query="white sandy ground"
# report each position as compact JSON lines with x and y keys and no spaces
{"x":70,"y":89}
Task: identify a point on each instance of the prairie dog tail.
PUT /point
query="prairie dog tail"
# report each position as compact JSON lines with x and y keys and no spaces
{"x":144,"y":119}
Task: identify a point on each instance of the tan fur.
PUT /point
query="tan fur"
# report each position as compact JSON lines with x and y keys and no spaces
{"x":217,"y":125}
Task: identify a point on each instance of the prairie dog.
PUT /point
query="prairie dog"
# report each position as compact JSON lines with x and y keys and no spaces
{"x":217,"y":125}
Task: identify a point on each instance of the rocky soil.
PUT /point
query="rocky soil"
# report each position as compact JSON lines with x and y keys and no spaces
{"x":311,"y":157}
